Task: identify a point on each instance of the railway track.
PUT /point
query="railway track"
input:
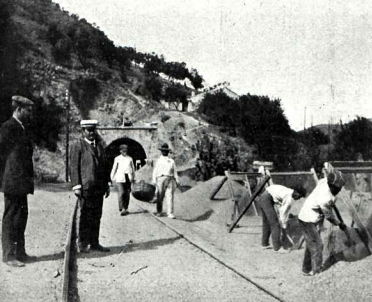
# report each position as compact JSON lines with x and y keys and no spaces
{"x":69,"y":261}
{"x":69,"y":290}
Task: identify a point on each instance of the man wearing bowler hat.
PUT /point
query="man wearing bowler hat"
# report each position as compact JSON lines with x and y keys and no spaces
{"x":16,"y":176}
{"x":165,"y":177}
{"x":90,"y":180}
{"x":123,"y":174}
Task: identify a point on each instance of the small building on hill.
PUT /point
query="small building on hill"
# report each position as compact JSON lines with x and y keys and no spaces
{"x":197,"y":97}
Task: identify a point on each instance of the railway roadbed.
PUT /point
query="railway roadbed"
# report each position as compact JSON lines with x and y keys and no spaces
{"x":161,"y":259}
{"x":150,"y":262}
{"x":47,"y":226}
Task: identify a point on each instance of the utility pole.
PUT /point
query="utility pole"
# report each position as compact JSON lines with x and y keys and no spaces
{"x":67,"y":132}
{"x":305,"y":118}
{"x":329,"y":139}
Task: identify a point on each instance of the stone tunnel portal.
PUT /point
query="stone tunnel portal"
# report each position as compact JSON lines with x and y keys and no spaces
{"x":135,"y":150}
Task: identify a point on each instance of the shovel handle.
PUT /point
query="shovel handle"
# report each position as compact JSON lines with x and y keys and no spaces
{"x":288,"y":237}
{"x":346,"y":231}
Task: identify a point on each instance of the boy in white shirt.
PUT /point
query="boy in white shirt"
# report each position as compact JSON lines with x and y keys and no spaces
{"x":123,"y":173}
{"x":165,"y":177}
{"x":274,"y":220}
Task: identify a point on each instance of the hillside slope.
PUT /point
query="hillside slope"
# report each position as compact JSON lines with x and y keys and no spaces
{"x":48,"y":54}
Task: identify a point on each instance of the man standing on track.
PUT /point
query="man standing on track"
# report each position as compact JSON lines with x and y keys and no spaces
{"x":90,"y":180}
{"x":17,"y":180}
{"x":165,"y":177}
{"x":123,"y":174}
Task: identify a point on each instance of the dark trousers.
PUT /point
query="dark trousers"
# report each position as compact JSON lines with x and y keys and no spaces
{"x":270,"y":222}
{"x":14,"y":226}
{"x":313,"y":258}
{"x":89,"y":218}
{"x":124,"y":193}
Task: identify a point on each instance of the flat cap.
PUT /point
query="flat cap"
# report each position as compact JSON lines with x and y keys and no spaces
{"x":21,"y":101}
{"x":88,"y":123}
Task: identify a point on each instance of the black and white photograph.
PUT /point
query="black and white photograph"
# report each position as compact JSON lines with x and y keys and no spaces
{"x":195,"y":150}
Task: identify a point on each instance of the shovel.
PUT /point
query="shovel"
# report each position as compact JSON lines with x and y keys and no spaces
{"x":350,"y":242}
{"x":300,"y":242}
{"x":288,"y":237}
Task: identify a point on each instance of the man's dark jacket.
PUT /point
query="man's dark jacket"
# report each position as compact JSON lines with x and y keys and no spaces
{"x":16,"y":167}
{"x":88,"y":166}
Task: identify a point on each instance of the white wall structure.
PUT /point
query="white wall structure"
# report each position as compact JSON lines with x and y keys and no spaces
{"x":196,"y":98}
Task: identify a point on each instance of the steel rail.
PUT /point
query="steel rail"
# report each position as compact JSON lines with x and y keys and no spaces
{"x":190,"y":241}
{"x":67,"y":258}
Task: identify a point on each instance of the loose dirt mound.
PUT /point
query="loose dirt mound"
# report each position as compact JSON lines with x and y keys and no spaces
{"x":185,"y":175}
{"x":195,"y":205}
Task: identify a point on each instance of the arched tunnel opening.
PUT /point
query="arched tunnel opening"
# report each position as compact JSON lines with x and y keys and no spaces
{"x":135,"y":150}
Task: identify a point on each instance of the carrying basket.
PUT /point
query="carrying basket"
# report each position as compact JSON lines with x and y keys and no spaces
{"x":143,"y":191}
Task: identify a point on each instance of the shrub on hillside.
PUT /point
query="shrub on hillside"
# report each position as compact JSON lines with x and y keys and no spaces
{"x":217,"y":155}
{"x":84,"y":92}
{"x":47,"y":122}
{"x":61,"y":51}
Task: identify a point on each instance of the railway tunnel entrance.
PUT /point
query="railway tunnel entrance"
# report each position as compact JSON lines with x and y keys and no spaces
{"x":135,"y":150}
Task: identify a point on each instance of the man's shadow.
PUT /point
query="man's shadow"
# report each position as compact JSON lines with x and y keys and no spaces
{"x":130,"y":247}
{"x":52,"y":257}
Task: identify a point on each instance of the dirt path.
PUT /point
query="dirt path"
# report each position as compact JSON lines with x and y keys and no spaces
{"x":49,"y":213}
{"x":150,"y":261}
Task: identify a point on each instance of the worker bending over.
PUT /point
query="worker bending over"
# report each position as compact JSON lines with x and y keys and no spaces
{"x":275,"y":204}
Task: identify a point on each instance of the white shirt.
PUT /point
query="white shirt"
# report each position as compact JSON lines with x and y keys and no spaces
{"x":165,"y":166}
{"x":282,"y":196}
{"x":319,"y":204}
{"x":93,"y":143}
{"x":19,"y":121}
{"x":122,"y":165}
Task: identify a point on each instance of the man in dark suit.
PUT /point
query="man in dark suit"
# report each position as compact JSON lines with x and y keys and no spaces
{"x":16,"y":176}
{"x":90,"y":180}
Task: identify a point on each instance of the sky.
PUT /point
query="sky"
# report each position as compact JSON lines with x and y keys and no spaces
{"x":315,"y":56}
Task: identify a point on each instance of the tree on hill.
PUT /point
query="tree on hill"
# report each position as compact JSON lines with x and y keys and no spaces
{"x":154,"y":87}
{"x":176,"y":94}
{"x":47,"y":122}
{"x":154,"y":64}
{"x":353,"y":138}
{"x":84,"y":92}
{"x":257,"y":119}
{"x":220,"y":109}
{"x":12,"y":47}
{"x":264,"y":124}
{"x":196,"y":79}
{"x":311,"y":153}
